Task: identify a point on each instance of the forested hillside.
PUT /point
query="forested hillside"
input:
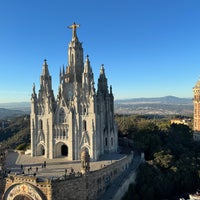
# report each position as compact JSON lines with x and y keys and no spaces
{"x":15,"y":131}
{"x":172,"y":167}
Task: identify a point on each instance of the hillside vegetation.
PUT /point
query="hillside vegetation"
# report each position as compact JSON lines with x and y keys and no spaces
{"x":172,"y":166}
{"x":16,"y":131}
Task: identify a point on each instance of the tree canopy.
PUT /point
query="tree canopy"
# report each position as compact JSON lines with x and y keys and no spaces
{"x":172,"y":164}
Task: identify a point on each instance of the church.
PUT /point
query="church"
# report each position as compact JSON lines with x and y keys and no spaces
{"x":80,"y":118}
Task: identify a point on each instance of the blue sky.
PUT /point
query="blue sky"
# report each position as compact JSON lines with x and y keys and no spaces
{"x":150,"y":48}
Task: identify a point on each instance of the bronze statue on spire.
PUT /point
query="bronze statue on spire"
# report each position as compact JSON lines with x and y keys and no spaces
{"x":74,"y":26}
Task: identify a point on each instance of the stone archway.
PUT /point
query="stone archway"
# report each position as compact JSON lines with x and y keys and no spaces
{"x":22,"y":197}
{"x":40,"y":150}
{"x":23,"y":191}
{"x":61,"y":149}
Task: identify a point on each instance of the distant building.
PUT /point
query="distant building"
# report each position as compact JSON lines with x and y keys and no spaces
{"x":196,"y":101}
{"x":180,"y":121}
{"x":195,"y":196}
{"x":80,"y":118}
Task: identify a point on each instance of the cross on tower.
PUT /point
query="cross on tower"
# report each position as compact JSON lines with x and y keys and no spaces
{"x":74,"y":26}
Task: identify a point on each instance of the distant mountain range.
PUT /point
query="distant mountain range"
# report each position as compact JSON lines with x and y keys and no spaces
{"x":16,"y":105}
{"x":168,"y":105}
{"x":162,"y":100}
{"x":8,"y":110}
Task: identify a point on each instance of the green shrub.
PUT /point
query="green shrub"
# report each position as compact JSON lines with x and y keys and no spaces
{"x":22,"y":146}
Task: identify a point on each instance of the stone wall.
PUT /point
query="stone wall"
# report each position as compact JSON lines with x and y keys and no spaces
{"x":124,"y":186}
{"x":91,"y":185}
{"x":85,"y":187}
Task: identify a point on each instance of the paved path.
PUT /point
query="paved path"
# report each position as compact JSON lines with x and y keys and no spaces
{"x":20,"y":163}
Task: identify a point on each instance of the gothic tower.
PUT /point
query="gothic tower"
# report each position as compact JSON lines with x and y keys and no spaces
{"x":196,"y":101}
{"x":80,"y":119}
{"x":42,"y":108}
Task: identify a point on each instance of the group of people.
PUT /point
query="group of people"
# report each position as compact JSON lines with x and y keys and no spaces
{"x":30,"y":169}
{"x":33,"y":170}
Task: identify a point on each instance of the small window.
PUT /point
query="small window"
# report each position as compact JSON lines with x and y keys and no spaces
{"x":62,"y":116}
{"x":84,"y":125}
{"x":111,"y":141}
{"x":40,"y":125}
{"x":84,"y":110}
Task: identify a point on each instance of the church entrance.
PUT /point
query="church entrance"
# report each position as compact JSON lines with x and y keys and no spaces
{"x":43,"y":151}
{"x":64,"y":150}
{"x":61,"y":149}
{"x":40,"y":150}
{"x":22,"y":197}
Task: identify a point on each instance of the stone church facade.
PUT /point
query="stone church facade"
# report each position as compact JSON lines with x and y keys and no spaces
{"x":80,"y":118}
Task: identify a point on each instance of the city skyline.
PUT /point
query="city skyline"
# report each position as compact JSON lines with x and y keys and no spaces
{"x":149,"y":48}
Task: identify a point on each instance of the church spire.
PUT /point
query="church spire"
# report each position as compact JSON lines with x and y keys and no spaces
{"x":87,"y":67}
{"x":34,"y":93}
{"x":45,"y":79}
{"x":88,"y":78}
{"x":34,"y":101}
{"x":75,"y":56}
{"x":102,"y":71}
{"x":102,"y":81}
{"x":45,"y":70}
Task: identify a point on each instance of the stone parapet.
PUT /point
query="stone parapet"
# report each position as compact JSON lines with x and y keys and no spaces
{"x":90,"y":186}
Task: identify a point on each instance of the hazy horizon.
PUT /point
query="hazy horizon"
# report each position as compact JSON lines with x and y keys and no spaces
{"x":21,"y":102}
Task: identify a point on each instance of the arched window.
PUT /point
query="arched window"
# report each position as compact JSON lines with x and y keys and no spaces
{"x":61,"y":116}
{"x":111,"y":141}
{"x":40,"y":124}
{"x":106,"y":141}
{"x":84,"y":110}
{"x":84,"y":125}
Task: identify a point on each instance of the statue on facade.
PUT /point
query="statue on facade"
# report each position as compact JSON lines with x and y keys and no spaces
{"x":85,"y":161}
